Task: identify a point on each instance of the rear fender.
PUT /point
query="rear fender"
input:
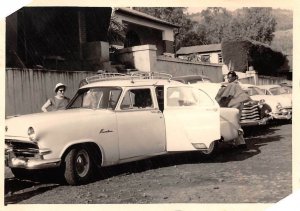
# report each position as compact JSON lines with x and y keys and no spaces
{"x":229,"y":120}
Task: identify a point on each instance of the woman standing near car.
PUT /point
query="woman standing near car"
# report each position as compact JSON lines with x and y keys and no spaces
{"x":59,"y":101}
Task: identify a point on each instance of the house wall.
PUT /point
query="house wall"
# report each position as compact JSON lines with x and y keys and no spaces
{"x":151,"y":32}
{"x":214,"y":58}
{"x":167,"y":30}
{"x":149,"y":36}
{"x":26,"y":90}
{"x":144,"y":58}
{"x":95,"y":54}
{"x":177,"y":67}
{"x":140,"y":57}
{"x":53,"y":37}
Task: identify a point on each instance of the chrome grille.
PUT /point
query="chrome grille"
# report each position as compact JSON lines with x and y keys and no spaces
{"x":250,"y":112}
{"x":22,"y":149}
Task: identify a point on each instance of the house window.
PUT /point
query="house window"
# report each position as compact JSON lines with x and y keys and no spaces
{"x":205,"y":58}
{"x":220,"y":59}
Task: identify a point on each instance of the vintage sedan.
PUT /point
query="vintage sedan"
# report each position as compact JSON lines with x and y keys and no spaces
{"x":116,"y":120}
{"x":253,"y":113}
{"x":281,"y":105}
{"x":284,"y":91}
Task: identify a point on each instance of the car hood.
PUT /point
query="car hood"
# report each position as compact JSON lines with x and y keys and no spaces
{"x":289,"y":96}
{"x":17,"y":127}
{"x":273,"y":100}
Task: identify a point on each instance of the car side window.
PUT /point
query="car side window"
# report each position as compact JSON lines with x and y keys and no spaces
{"x":187,"y":96}
{"x":160,"y":97}
{"x":92,"y":99}
{"x":113,"y":98}
{"x":137,"y":99}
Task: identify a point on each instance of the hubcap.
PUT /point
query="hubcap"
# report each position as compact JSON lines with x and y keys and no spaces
{"x":82,"y":163}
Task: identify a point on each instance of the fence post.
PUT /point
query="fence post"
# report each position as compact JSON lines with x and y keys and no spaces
{"x":253,"y":74}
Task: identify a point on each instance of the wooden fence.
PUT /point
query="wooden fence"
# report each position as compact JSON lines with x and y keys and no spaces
{"x":26,"y":90}
{"x":264,"y":80}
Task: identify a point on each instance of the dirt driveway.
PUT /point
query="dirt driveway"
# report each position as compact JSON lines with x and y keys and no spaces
{"x":261,"y":174}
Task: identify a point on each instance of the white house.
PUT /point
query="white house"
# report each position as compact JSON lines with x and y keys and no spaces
{"x":201,"y":53}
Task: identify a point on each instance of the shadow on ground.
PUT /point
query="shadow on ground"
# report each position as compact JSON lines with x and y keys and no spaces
{"x":18,"y":190}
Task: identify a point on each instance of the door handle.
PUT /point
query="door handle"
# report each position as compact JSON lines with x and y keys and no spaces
{"x":211,"y":109}
{"x":156,"y":111}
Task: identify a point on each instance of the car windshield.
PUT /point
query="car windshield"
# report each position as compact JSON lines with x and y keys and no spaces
{"x":280,"y":90}
{"x":255,"y":91}
{"x":96,"y":98}
{"x":202,"y":80}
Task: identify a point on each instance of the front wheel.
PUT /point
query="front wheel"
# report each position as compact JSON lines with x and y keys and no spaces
{"x":212,"y":149}
{"x":79,"y":166}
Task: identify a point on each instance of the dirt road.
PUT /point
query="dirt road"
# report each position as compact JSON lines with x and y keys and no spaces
{"x":261,"y":174}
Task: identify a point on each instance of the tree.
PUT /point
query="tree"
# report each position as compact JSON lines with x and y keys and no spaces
{"x":116,"y":31}
{"x":252,"y":23}
{"x":187,"y":33}
{"x":244,"y":53}
{"x":215,"y":21}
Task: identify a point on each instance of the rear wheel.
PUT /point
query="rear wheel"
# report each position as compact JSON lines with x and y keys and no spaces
{"x":79,"y":166}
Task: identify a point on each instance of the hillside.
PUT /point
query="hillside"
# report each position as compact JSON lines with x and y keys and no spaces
{"x":283,"y":41}
{"x":284,"y":18}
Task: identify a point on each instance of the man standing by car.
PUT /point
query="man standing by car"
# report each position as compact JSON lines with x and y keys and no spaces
{"x":233,"y":96}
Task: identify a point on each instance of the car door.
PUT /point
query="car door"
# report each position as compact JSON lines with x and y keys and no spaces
{"x":192,"y":118}
{"x":141,"y":126}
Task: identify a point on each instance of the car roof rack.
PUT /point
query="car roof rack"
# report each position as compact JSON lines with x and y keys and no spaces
{"x":106,"y":77}
{"x":131,"y":76}
{"x":151,"y":75}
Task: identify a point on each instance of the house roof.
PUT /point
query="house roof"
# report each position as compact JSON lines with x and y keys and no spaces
{"x":199,"y":49}
{"x":144,"y":15}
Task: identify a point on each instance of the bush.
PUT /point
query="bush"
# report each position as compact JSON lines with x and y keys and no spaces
{"x":240,"y":54}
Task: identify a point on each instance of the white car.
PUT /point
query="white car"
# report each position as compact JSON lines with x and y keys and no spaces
{"x":116,"y":120}
{"x":281,"y":105}
{"x":277,"y":90}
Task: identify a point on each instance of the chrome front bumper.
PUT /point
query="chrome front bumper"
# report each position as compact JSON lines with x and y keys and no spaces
{"x":36,"y":162}
{"x":262,"y":121}
{"x":283,"y":115}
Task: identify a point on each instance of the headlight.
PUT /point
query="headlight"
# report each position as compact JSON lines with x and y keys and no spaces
{"x":279,"y":106}
{"x":31,"y":134}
